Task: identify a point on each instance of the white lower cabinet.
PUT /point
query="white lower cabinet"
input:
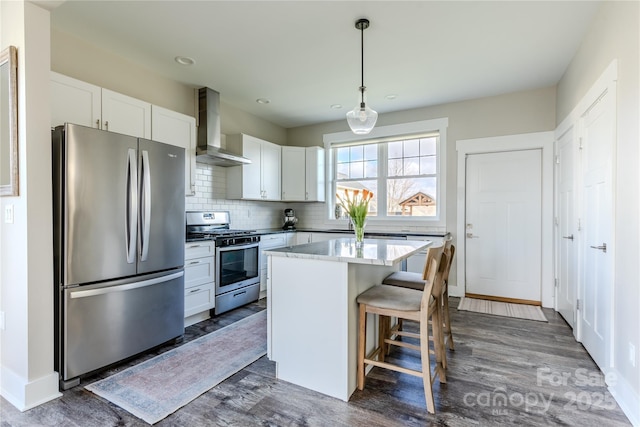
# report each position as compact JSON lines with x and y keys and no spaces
{"x":199,"y":286}
{"x":302,"y":237}
{"x":271,"y":241}
{"x":321,"y":237}
{"x":416,"y":263}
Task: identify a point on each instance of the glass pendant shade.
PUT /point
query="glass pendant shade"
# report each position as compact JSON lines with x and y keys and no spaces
{"x":362,"y":118}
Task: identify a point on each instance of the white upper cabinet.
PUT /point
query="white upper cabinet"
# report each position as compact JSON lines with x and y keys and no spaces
{"x":75,"y":101}
{"x":303,"y":174}
{"x":124,"y":114}
{"x":314,"y":174}
{"x":82,"y":103}
{"x":259,"y":180}
{"x":177,"y":129}
{"x":293,"y":173}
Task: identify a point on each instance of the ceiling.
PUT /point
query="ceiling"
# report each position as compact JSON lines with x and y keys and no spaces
{"x":304,"y":56}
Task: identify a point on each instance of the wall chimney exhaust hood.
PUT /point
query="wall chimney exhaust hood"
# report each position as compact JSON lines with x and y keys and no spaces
{"x":209,"y":150}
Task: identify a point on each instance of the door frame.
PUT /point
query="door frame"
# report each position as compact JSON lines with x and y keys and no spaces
{"x":537,"y":140}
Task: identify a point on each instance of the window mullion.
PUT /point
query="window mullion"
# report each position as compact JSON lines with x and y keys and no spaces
{"x":382,"y":180}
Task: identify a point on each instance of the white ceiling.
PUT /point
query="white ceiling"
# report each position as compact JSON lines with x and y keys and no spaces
{"x":304,"y":56}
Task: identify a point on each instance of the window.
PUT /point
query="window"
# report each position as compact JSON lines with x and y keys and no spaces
{"x":405,"y":172}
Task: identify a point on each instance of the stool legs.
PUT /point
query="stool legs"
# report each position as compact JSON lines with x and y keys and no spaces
{"x":426,"y":367}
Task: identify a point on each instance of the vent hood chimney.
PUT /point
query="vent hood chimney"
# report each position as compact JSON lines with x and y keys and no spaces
{"x":209,"y":150}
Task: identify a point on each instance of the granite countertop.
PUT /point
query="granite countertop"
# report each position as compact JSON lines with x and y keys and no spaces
{"x":374,"y":251}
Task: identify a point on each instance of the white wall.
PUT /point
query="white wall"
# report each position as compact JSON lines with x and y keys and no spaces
{"x":615,"y":34}
{"x":26,"y":289}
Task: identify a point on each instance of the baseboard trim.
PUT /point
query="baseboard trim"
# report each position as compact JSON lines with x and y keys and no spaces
{"x":502,"y":299}
{"x":25,"y":395}
{"x":626,"y":397}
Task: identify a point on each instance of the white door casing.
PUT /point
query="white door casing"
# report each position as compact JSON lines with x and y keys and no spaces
{"x":566,"y":228}
{"x":537,"y":140}
{"x":503,"y":225}
{"x":595,"y":312}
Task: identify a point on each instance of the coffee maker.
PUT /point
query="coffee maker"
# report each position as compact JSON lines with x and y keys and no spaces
{"x":290,"y":220}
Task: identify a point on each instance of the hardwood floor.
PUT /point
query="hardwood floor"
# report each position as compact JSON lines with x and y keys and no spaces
{"x":503,"y":371}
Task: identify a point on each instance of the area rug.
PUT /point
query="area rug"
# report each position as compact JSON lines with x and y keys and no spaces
{"x":520,"y":311}
{"x":158,"y":387}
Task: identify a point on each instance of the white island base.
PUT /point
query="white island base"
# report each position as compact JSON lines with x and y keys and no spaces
{"x":312,"y":330}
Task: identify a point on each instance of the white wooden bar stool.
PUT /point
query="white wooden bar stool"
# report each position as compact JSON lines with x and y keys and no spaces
{"x":410,"y":304}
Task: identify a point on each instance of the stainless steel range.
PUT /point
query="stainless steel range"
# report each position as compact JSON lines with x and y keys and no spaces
{"x":237,"y":258}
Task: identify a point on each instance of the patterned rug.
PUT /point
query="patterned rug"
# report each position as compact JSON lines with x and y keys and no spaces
{"x":158,"y":387}
{"x":520,"y":311}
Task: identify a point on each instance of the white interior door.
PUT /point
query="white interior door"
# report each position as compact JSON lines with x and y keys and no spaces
{"x":567,"y":233}
{"x":595,"y":310}
{"x":503,"y":225}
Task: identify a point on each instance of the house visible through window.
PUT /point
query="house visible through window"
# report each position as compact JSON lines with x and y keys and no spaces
{"x":401,"y":173}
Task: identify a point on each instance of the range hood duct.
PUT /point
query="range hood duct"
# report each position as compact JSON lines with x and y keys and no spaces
{"x":209,"y":150}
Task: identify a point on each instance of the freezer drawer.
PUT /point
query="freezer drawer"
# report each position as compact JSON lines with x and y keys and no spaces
{"x":107,"y":323}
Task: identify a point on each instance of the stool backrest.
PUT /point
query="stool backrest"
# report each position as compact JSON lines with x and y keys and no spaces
{"x":451,"y":252}
{"x":432,"y":252}
{"x":431,"y":274}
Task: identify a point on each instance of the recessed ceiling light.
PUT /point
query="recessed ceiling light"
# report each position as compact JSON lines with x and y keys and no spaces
{"x":185,"y":60}
{"x":263,"y":100}
{"x":336,"y":106}
{"x":391,"y":96}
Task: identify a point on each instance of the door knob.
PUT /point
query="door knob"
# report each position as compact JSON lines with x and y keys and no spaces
{"x":602,"y":248}
{"x":471,"y":236}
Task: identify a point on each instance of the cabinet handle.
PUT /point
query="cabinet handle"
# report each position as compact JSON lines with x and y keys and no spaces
{"x":602,"y":248}
{"x":568,"y":237}
{"x":194,"y":290}
{"x":194,"y":262}
{"x":194,"y":246}
{"x":106,"y":125}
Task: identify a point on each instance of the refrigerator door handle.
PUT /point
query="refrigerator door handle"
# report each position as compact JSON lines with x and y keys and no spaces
{"x":131,"y":205}
{"x":111,"y":289}
{"x":146,"y":206}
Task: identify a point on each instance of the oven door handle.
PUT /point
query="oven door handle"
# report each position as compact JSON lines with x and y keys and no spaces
{"x":238,"y":247}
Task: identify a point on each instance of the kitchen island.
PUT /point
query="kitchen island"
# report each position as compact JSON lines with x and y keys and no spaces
{"x":312,"y":326}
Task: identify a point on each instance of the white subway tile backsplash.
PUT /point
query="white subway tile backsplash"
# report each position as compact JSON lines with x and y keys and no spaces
{"x":211,"y":188}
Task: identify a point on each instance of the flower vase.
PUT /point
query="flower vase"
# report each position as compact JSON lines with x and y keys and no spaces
{"x":358,"y":229}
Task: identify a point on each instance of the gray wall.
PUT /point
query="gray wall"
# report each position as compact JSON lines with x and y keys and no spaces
{"x":75,"y":58}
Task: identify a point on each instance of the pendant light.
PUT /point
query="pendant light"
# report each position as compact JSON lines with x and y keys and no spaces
{"x":362,"y":118}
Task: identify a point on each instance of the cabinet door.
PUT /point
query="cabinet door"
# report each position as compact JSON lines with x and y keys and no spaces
{"x":314,"y":174}
{"x":293,"y":173}
{"x":126,"y":115}
{"x":74,"y":101}
{"x":177,"y":129}
{"x":252,"y":173}
{"x":301,"y":238}
{"x":271,"y":169}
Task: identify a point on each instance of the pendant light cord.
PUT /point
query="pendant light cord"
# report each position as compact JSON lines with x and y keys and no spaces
{"x":362,"y":65}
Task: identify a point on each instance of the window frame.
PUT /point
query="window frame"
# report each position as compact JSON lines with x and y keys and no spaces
{"x":386,"y":134}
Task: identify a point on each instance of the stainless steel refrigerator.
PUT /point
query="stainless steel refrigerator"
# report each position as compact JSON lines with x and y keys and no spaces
{"x":118,"y":247}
